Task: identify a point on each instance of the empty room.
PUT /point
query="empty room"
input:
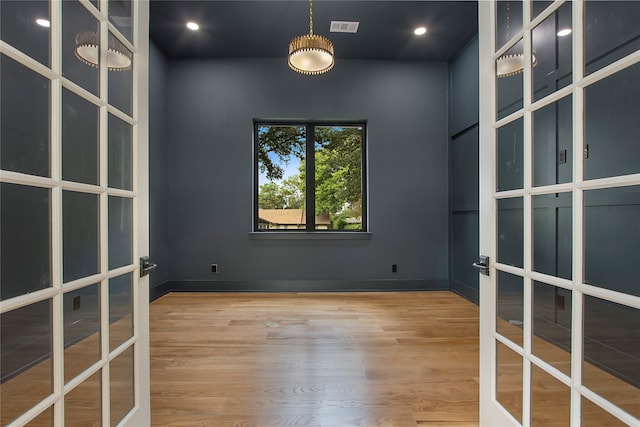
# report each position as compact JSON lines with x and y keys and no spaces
{"x":327,"y":213}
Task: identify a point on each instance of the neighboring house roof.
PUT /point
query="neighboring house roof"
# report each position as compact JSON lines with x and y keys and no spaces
{"x":290,"y":217}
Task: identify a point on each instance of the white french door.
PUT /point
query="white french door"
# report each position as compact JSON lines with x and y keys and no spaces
{"x":560,"y":213}
{"x":74,"y":213}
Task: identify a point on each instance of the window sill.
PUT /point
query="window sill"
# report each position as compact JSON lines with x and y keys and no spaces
{"x":303,"y":235}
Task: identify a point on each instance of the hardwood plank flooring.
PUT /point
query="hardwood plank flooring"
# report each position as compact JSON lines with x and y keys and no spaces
{"x":328,"y":360}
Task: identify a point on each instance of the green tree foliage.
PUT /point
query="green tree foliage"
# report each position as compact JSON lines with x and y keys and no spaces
{"x":338,"y":172}
{"x":282,"y":142}
{"x":287,"y":195}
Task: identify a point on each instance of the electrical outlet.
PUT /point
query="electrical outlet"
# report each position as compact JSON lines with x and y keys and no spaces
{"x":394,"y":268}
{"x":560,"y":302}
{"x":76,"y":303}
{"x":214,"y":268}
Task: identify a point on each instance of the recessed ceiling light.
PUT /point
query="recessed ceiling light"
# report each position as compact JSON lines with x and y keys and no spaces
{"x":43,"y":22}
{"x":420,"y":31}
{"x":193,"y":26}
{"x":564,"y":32}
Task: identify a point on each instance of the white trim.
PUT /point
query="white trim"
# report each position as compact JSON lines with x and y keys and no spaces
{"x":509,"y":269}
{"x":27,"y":299}
{"x":27,"y":61}
{"x":614,"y":410}
{"x":552,"y":280}
{"x":24,"y":179}
{"x":121,"y":115}
{"x":32,"y":413}
{"x":609,"y":295}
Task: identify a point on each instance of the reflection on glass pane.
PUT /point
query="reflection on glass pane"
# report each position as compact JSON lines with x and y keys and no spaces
{"x":595,"y":416}
{"x":120,"y":231}
{"x":80,"y":235}
{"x":122,"y":389}
{"x":508,"y":20}
{"x":120,"y":310}
{"x":45,"y":419}
{"x":611,"y":111}
{"x":509,"y":381}
{"x":611,"y":346}
{"x":120,"y":16}
{"x":120,"y":154}
{"x":550,"y":400}
{"x":81,"y":330}
{"x":551,"y":41}
{"x":25,"y":359}
{"x":281,"y":178}
{"x":509,"y":306}
{"x":538,"y":6}
{"x":79,"y":27}
{"x":552,"y":234}
{"x":19,"y":18}
{"x":509,"y":83}
{"x":553,"y":143}
{"x":79,"y":139}
{"x":24,"y":119}
{"x":82,"y":405}
{"x":510,"y":231}
{"x":338,"y":175}
{"x":612,"y":238}
{"x":552,"y":325}
{"x":611,"y":32}
{"x":121,"y":79}
{"x":25,"y":254}
{"x":510,"y":151}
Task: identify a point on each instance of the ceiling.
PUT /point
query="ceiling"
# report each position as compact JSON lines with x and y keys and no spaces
{"x":263,"y":28}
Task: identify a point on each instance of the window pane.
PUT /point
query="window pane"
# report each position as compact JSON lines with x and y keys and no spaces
{"x":25,"y":359}
{"x":281,"y":177}
{"x":552,"y":234}
{"x":79,"y":139}
{"x":120,"y":154}
{"x":338,"y":176}
{"x":21,"y":18}
{"x":122,"y":385}
{"x":509,"y":381}
{"x":612,"y":238}
{"x":121,"y":78}
{"x":508,"y":20}
{"x":538,"y":6}
{"x":45,"y":419}
{"x":510,"y":231}
{"x":25,"y":254}
{"x":509,"y":84}
{"x":611,"y":32}
{"x":81,"y":330}
{"x":550,"y":400}
{"x":79,"y":27}
{"x":611,"y":111}
{"x":509,"y":306}
{"x":80,"y":235}
{"x":120,"y":310}
{"x":24,"y":119}
{"x":595,"y":416}
{"x":552,"y":52}
{"x":553,"y":143}
{"x":510,"y":151}
{"x":120,"y":16}
{"x":552,"y":325}
{"x":120,"y":231}
{"x":611,"y":365}
{"x":82,"y":406}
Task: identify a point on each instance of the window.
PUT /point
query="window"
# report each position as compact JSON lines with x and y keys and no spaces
{"x":310,"y":176}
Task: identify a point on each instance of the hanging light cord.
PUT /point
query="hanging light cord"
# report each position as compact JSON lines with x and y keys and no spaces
{"x":310,"y":17}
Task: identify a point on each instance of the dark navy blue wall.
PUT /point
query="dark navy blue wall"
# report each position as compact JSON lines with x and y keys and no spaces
{"x":158,"y":167}
{"x":463,"y":157}
{"x":211,"y":106}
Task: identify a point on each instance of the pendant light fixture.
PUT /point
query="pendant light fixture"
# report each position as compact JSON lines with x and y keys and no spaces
{"x":311,"y":53}
{"x":511,"y":64}
{"x":87,"y":51}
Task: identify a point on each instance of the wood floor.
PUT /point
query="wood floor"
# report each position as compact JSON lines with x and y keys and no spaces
{"x":322,"y":360}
